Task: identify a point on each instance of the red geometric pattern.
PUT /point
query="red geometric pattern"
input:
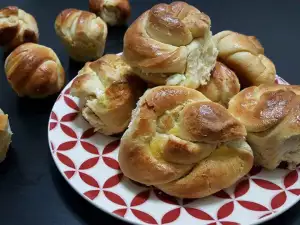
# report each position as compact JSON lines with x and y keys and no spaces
{"x":88,"y":160}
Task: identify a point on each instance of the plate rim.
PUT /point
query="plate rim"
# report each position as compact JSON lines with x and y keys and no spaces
{"x":260,"y":221}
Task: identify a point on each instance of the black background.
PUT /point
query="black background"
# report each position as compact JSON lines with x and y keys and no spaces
{"x":32,"y":192}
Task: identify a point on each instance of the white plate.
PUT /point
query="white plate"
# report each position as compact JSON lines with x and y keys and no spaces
{"x":89,"y":163}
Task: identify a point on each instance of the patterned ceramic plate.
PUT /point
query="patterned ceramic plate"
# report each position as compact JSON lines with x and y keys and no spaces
{"x":88,"y":161}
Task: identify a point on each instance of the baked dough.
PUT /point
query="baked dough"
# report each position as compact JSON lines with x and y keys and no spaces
{"x":184,"y":144}
{"x":222,"y":86}
{"x":245,"y":56}
{"x":82,"y":33}
{"x":271,"y":115}
{"x":109,"y":90}
{"x":171,"y":44}
{"x":34,"y":70}
{"x":113,"y":12}
{"x":17,"y":27}
{"x":5,"y":135}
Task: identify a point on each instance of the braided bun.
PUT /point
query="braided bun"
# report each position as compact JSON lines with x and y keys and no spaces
{"x":171,"y":44}
{"x":82,"y":33}
{"x":222,"y":86}
{"x":34,"y":70}
{"x":113,"y":12}
{"x":184,"y":144}
{"x":110,"y":91}
{"x":245,"y":56}
{"x":271,"y":116}
{"x":17,"y":27}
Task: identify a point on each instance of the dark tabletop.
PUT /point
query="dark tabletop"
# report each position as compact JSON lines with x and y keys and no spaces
{"x":32,"y":191}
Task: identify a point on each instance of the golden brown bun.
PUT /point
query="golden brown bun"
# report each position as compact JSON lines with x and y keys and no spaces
{"x":17,"y":27}
{"x":5,"y":135}
{"x":245,"y":56}
{"x":82,"y":33}
{"x":113,"y":12}
{"x":110,"y":91}
{"x":34,"y":70}
{"x":271,"y":115}
{"x":171,"y":44}
{"x":222,"y":86}
{"x":184,"y":144}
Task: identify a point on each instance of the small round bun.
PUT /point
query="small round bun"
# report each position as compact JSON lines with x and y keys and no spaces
{"x":245,"y":56}
{"x":34,"y":70}
{"x":113,"y":12}
{"x":82,"y":33}
{"x":184,"y":144}
{"x":110,"y":90}
{"x":5,"y":135}
{"x":222,"y":86}
{"x":171,"y":44}
{"x":17,"y":27}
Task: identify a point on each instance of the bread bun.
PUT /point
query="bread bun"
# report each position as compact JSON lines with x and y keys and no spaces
{"x":82,"y":33}
{"x":5,"y":135}
{"x":222,"y":86}
{"x":17,"y":27}
{"x":171,"y":44}
{"x":113,"y":12}
{"x":245,"y":56}
{"x":34,"y":70}
{"x":271,"y":115}
{"x":110,"y":92}
{"x":184,"y":144}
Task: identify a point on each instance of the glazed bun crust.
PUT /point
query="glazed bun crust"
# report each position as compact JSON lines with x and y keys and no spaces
{"x":34,"y":70}
{"x":222,"y":86}
{"x":113,"y":12}
{"x":245,"y":56}
{"x":110,"y":91}
{"x":17,"y":27}
{"x":171,"y":44}
{"x":178,"y":140}
{"x":82,"y":33}
{"x":270,"y":114}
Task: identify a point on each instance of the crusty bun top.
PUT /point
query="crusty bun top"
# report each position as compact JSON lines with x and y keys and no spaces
{"x":263,"y":107}
{"x":271,"y":115}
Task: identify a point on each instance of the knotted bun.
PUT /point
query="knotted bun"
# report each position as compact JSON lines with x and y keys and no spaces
{"x":171,"y":44}
{"x":113,"y":12}
{"x":245,"y":56}
{"x":110,"y":91}
{"x":184,"y":144}
{"x":82,"y":33}
{"x":222,"y":86}
{"x":34,"y":70}
{"x":271,"y":116}
{"x":17,"y":27}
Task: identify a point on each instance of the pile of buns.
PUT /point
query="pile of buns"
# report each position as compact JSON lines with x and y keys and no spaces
{"x":196,"y":110}
{"x":211,"y":111}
